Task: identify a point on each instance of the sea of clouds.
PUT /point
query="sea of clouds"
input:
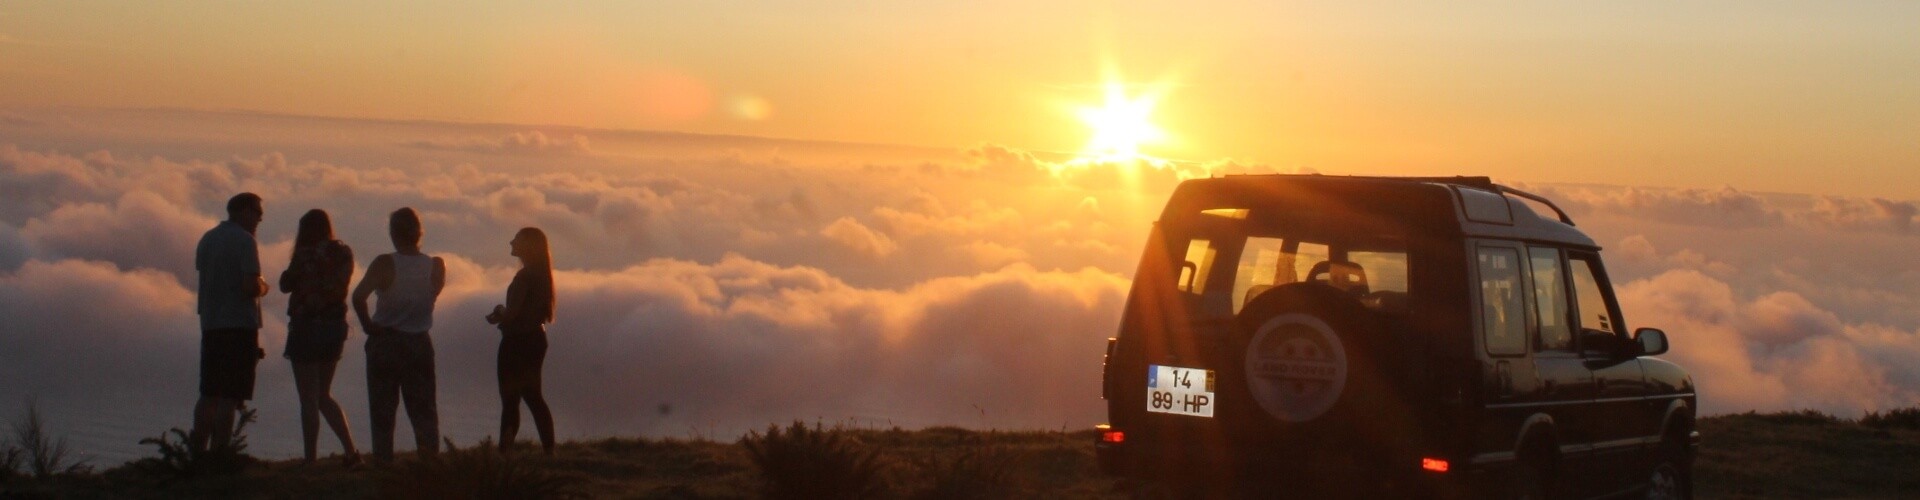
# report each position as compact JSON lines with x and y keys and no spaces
{"x":712,"y":285}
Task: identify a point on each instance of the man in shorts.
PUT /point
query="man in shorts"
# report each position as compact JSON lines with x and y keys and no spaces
{"x":228,"y":259}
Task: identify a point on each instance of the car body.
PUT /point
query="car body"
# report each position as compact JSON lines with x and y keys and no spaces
{"x":1425,"y":337}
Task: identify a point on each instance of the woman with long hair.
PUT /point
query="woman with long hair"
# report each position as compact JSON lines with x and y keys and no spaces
{"x":317,"y":278}
{"x":523,"y":338}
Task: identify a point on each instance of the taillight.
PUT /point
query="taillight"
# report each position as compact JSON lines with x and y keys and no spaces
{"x":1108,"y":435}
{"x":1434,"y":464}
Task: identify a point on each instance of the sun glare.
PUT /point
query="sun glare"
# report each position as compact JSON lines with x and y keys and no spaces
{"x":1120,"y":126}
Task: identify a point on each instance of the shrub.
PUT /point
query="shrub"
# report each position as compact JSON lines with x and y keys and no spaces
{"x":1797,"y":417}
{"x":802,"y":462}
{"x":178,"y":460}
{"x":977,"y":473}
{"x":45,"y":456}
{"x":1898,"y":418}
{"x":478,"y":472}
{"x":9,"y":464}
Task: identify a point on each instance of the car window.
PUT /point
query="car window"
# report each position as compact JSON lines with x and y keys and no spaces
{"x":1264,"y":263}
{"x":1590,"y":301}
{"x":1196,"y":267}
{"x":1503,"y":320}
{"x":1377,"y":278}
{"x":1550,"y":300}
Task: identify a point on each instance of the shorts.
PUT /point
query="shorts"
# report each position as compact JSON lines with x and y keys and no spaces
{"x":227,"y":360}
{"x":521,"y":355}
{"x":311,"y":340}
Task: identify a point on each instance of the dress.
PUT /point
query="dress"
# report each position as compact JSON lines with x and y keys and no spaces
{"x":317,"y":280}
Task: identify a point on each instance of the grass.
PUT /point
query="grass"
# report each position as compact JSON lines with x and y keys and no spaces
{"x":1806,"y":454}
{"x":1800,"y":454}
{"x":479,"y":472}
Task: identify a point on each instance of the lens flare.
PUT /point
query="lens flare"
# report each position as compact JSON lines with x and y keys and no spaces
{"x":1121,"y":125}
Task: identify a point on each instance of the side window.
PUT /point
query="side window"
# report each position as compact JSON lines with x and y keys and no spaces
{"x":1591,"y":303}
{"x":1503,"y":317}
{"x":1550,"y":299}
{"x":1196,"y":267}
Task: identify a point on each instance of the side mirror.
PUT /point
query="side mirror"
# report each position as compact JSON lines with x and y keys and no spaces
{"x":1653,"y":342}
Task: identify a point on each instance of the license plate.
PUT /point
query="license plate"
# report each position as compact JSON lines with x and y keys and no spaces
{"x":1180,"y":391}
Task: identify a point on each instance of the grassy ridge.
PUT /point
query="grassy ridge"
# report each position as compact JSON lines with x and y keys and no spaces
{"x":1808,"y":454}
{"x":1778,"y":455}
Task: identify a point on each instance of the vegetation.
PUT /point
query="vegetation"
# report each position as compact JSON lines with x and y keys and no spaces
{"x":801,"y":463}
{"x":178,"y":460}
{"x":42,"y":455}
{"x":1805,"y":454}
{"x":1900,"y":418}
{"x":1801,"y":454}
{"x":476,"y":473}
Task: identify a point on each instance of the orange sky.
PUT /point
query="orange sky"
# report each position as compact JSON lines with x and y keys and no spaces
{"x":1768,"y":96}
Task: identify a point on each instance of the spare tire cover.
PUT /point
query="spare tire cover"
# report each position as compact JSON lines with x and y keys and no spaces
{"x":1296,"y":367}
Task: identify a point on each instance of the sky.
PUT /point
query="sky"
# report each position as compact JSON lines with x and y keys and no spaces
{"x":1768,"y":96}
{"x":893,"y":213}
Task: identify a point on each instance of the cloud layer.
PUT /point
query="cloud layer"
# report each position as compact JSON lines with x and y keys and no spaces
{"x":715,"y":292}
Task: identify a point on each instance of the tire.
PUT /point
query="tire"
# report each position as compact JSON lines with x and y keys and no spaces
{"x":1671,"y":477}
{"x":1529,"y":481}
{"x":1313,"y":366}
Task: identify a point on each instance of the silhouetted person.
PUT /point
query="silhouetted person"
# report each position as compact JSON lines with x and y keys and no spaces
{"x":316,"y":279}
{"x":399,"y":352}
{"x":523,"y":338}
{"x":228,"y":261}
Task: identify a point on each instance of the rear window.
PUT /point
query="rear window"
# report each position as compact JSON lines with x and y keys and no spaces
{"x":1258,"y":251}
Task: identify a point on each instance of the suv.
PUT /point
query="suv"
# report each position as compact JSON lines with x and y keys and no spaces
{"x":1432,"y":337}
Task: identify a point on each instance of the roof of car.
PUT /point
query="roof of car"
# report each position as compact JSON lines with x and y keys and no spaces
{"x":1480,"y":207}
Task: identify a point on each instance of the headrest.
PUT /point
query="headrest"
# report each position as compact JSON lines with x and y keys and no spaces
{"x":1346,"y":276}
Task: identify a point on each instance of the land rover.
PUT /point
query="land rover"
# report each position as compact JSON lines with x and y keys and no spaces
{"x":1325,"y":336}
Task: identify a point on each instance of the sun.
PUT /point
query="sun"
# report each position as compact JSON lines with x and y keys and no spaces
{"x":1121,"y":126}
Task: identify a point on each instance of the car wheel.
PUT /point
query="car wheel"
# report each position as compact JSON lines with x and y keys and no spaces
{"x":1669,"y":479}
{"x":1529,"y":481}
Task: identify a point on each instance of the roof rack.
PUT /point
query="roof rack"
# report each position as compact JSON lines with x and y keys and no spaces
{"x":1542,"y":199}
{"x":1483,"y":183}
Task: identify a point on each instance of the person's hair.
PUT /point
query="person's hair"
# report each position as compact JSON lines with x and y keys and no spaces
{"x":315,"y":229}
{"x":242,"y":201}
{"x":405,"y":222}
{"x":539,"y":258}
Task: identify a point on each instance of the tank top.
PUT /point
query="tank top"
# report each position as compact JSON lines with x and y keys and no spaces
{"x":407,"y":303}
{"x":536,"y":305}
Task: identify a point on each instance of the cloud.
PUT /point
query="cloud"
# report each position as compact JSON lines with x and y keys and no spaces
{"x":14,"y":248}
{"x":742,"y":343}
{"x":1776,"y":352}
{"x":747,"y":288}
{"x":140,"y":230}
{"x":531,"y":142}
{"x":16,"y":119}
{"x":86,"y":330}
{"x":859,"y":238}
{"x":1731,"y":208}
{"x":1641,"y":258}
{"x":1724,"y":207}
{"x":1874,"y":214}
